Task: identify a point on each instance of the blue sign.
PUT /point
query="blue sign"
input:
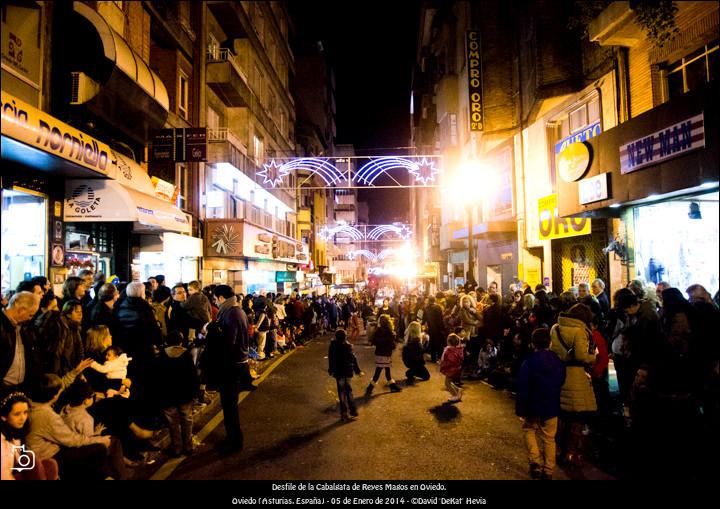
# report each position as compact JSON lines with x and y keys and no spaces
{"x":589,"y":132}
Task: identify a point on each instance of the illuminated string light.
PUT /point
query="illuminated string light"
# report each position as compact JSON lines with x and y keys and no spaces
{"x":273,"y":173}
{"x":327,"y":233}
{"x":363,"y":252}
{"x":424,"y":171}
{"x":403,"y":231}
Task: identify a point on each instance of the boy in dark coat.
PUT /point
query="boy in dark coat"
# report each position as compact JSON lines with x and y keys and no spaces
{"x":539,"y":383}
{"x":342,"y":365}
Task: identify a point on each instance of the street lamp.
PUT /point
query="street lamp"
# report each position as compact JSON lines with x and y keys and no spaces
{"x":468,"y":190}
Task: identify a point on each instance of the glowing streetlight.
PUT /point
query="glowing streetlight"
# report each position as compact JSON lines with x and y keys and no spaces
{"x":470,"y":184}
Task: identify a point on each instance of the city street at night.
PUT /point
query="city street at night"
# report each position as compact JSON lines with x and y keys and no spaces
{"x":293,"y":431}
{"x":360,"y":252}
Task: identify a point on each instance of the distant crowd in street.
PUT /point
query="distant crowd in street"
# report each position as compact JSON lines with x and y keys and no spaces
{"x":553,"y":352}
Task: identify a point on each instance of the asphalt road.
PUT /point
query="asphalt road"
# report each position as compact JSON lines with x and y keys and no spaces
{"x":293,"y":431}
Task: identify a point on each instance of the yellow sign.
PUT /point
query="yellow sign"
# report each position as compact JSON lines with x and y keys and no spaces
{"x":573,"y":161}
{"x":554,"y":227}
{"x":39,"y":130}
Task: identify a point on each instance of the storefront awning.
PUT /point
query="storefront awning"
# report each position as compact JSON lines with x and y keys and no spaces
{"x":129,"y":95}
{"x":110,"y":201}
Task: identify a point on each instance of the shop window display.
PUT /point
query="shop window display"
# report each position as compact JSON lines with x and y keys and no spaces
{"x":677,"y":242}
{"x":24,"y":236}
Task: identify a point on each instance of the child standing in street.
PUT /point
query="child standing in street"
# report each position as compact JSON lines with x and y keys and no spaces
{"x":384,"y":340}
{"x":451,"y":364}
{"x":342,"y":365}
{"x":539,"y":383}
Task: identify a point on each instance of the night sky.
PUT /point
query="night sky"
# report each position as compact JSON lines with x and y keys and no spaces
{"x":372,"y":47}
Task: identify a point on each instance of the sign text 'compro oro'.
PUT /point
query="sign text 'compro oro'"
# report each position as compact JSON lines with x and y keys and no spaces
{"x":554,"y":227}
{"x":474,"y":66}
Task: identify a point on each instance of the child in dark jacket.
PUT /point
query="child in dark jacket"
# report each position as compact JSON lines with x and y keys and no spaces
{"x":538,"y":402}
{"x":384,"y":341}
{"x":181,"y":385}
{"x":342,"y":364}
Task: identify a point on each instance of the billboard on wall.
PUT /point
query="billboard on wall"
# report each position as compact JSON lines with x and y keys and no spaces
{"x":553,"y":227}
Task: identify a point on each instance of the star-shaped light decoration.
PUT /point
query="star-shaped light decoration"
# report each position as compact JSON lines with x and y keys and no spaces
{"x":424,"y":171}
{"x":272,"y":173}
{"x":405,"y":232}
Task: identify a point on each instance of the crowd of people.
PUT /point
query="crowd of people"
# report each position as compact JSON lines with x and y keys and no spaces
{"x":90,"y":376}
{"x":553,"y":353}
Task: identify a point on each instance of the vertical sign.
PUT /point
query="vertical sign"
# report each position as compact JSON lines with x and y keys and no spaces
{"x":474,"y":81}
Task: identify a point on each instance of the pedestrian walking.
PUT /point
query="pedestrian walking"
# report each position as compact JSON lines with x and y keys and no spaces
{"x":538,"y":403}
{"x":451,"y":364}
{"x":342,"y":364}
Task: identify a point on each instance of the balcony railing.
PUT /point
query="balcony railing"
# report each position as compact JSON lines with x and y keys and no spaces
{"x":215,"y":55}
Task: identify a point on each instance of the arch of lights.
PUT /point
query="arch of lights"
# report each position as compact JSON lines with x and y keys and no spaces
{"x":363,"y":252}
{"x":327,"y":232}
{"x":402,"y":230}
{"x":422,"y":168}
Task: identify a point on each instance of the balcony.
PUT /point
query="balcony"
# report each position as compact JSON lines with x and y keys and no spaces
{"x":227,"y":79}
{"x":616,"y":26}
{"x":225,"y":147}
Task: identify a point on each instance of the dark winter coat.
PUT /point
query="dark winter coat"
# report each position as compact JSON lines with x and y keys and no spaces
{"x":539,"y":384}
{"x":7,"y":347}
{"x":137,"y":329}
{"x":342,"y":362}
{"x":433,"y":317}
{"x":101,"y":314}
{"x":178,"y":377}
{"x":412,"y":355}
{"x":60,"y":346}
{"x":384,"y":341}
{"x":228,"y":345}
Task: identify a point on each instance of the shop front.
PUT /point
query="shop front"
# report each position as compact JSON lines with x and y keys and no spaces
{"x":249,"y":258}
{"x":127,"y":229}
{"x":577,"y":246}
{"x":657,"y":176}
{"x":39,"y":152}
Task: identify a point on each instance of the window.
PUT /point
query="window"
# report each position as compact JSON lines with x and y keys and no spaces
{"x":688,"y":73}
{"x":182,"y":97}
{"x":181,"y":180}
{"x":572,"y":125}
{"x":24,"y":235}
{"x":258,"y":150}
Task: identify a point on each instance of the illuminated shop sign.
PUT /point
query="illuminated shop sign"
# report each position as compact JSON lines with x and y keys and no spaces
{"x":554,"y":227}
{"x":474,"y":66}
{"x":589,"y":132}
{"x":37,"y":129}
{"x":593,"y":189}
{"x":662,"y":145}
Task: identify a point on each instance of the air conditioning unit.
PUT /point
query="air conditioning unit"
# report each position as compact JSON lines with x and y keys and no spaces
{"x":83,"y":89}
